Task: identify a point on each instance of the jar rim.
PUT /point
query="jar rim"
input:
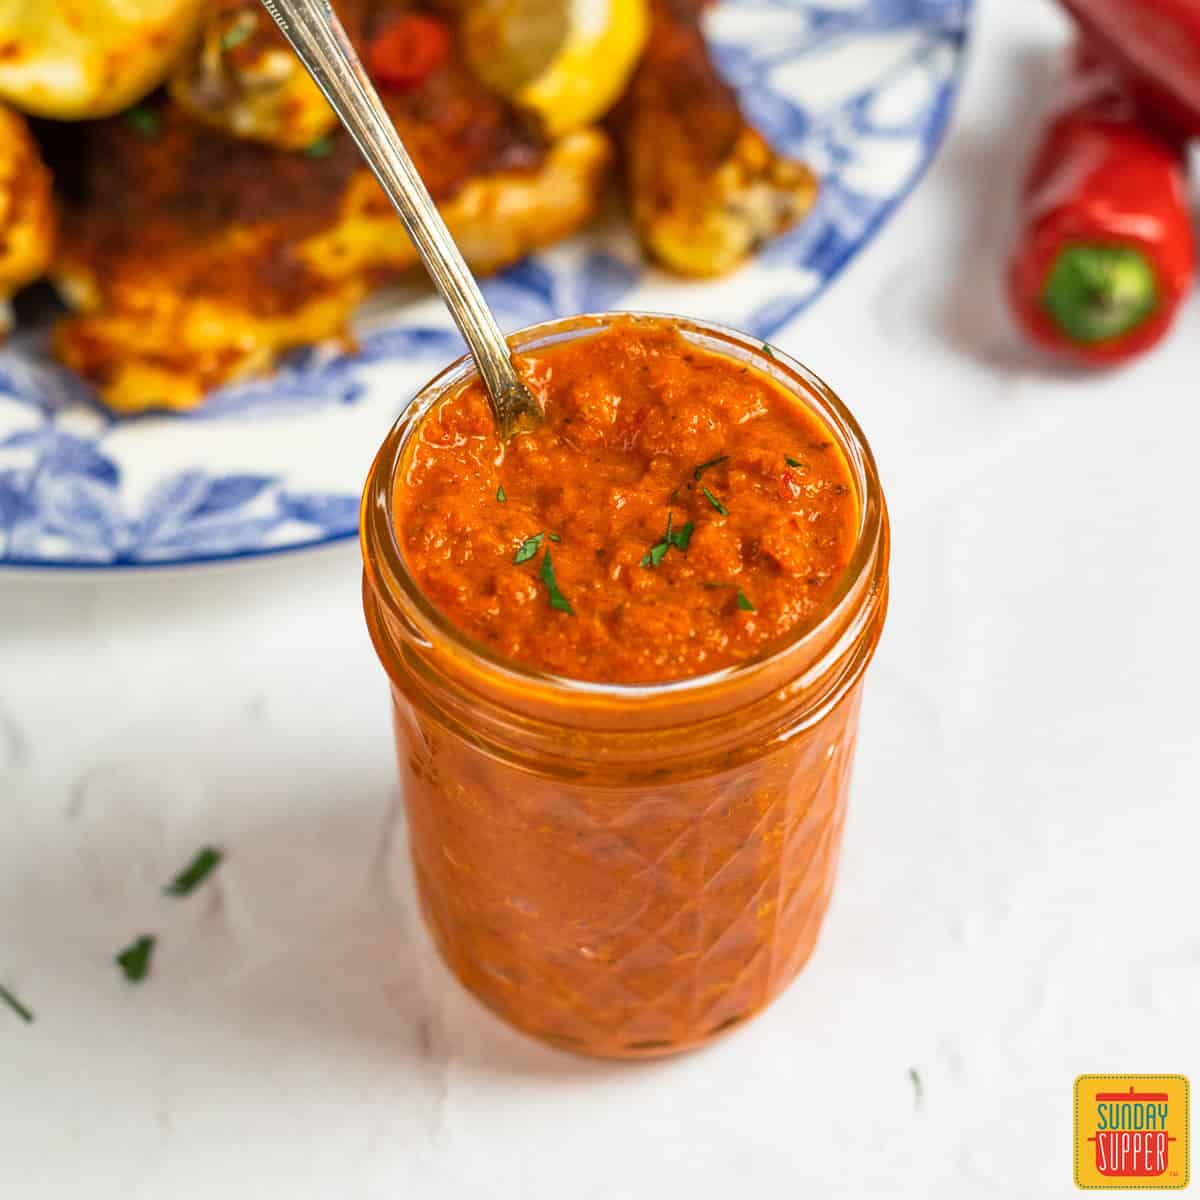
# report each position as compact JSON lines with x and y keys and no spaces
{"x":384,"y":557}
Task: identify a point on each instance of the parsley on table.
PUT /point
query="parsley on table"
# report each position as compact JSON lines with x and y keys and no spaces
{"x":205,"y":862}
{"x":557,"y":600}
{"x":715,"y":502}
{"x":712,"y":462}
{"x":528,"y":548}
{"x":918,"y":1087}
{"x":501,"y":494}
{"x":134,"y":960}
{"x":24,"y":1013}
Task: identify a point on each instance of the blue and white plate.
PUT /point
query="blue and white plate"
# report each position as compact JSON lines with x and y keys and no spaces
{"x":860,"y":89}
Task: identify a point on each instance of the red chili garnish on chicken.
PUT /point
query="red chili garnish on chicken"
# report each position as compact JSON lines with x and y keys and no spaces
{"x":408,"y":51}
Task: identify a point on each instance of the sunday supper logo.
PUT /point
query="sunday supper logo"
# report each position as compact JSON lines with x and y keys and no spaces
{"x":1131,"y":1132}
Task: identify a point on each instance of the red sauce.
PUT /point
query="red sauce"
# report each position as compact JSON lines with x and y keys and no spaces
{"x":676,"y":512}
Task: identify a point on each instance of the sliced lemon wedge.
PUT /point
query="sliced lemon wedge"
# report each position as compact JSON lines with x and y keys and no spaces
{"x":566,"y":62}
{"x":89,"y":58}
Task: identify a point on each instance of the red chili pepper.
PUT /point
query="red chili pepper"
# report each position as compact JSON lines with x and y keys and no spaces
{"x":408,"y":50}
{"x":1156,"y":46}
{"x":1106,"y":251}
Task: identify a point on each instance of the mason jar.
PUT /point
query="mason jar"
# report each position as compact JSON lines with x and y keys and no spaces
{"x":625,"y":870}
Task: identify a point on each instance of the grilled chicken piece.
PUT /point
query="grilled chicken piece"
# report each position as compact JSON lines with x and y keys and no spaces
{"x":705,"y":189}
{"x":26,"y":211}
{"x":193,"y":258}
{"x":241,"y":76}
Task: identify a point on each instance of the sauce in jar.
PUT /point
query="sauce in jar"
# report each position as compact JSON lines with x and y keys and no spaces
{"x":626,"y":653}
{"x":676,"y":511}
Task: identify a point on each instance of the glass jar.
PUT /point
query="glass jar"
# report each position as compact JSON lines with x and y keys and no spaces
{"x":625,"y":870}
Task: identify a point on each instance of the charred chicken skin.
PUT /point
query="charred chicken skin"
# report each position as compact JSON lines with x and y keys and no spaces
{"x":231,"y":250}
{"x":26,"y":211}
{"x":705,"y":189}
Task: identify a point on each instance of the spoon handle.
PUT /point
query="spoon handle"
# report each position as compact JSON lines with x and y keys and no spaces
{"x":322,"y":46}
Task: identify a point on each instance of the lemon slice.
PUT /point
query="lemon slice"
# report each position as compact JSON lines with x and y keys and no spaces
{"x":564,"y":61}
{"x":89,"y":58}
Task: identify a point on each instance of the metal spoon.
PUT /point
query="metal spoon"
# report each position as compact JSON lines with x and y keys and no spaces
{"x":322,"y":46}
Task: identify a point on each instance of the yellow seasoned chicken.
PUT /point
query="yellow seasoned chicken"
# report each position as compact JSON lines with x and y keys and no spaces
{"x":231,"y":251}
{"x":26,"y":211}
{"x":705,"y":189}
{"x":241,"y":76}
{"x":75,"y":59}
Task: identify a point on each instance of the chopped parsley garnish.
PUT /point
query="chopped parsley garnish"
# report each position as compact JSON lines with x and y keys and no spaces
{"x":712,"y":462}
{"x":145,"y":122}
{"x":679,"y":538}
{"x":792,"y":462}
{"x":554,"y":537}
{"x":743,"y":601}
{"x":501,"y":494}
{"x":557,"y":599}
{"x":528,"y":548}
{"x":918,"y":1087}
{"x":715,"y":502}
{"x":235,"y":35}
{"x":195,"y":873}
{"x":767,"y":350}
{"x":24,"y":1013}
{"x":321,"y":148}
{"x":134,"y":960}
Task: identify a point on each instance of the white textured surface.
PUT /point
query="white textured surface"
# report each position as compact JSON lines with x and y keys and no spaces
{"x":1018,"y":896}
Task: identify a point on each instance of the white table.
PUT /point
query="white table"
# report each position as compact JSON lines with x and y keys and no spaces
{"x":1018,"y":892}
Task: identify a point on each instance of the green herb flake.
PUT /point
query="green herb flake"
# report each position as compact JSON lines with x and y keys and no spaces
{"x":24,"y":1013}
{"x":321,"y":148}
{"x":195,"y":873}
{"x":528,"y":548}
{"x":134,"y":960}
{"x":558,"y":601}
{"x":682,"y":537}
{"x":658,"y":551}
{"x":236,"y":34}
{"x":554,"y":537}
{"x":918,"y":1087}
{"x":712,"y":462}
{"x":744,"y":602}
{"x":767,"y":350}
{"x":792,"y":462}
{"x":145,"y":122}
{"x":502,"y":495}
{"x":715,"y":502}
